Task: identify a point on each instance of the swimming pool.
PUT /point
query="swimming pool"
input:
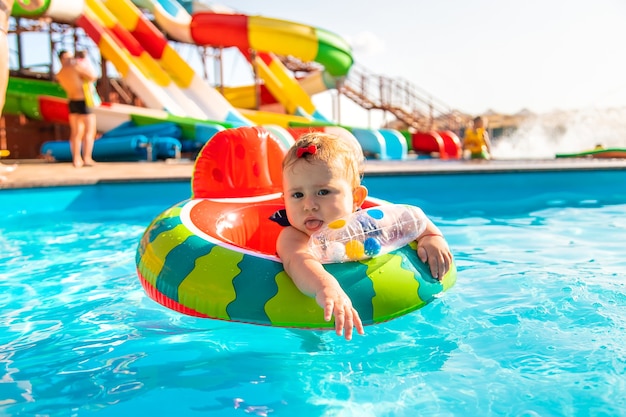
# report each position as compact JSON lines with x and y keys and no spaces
{"x":535,"y":324}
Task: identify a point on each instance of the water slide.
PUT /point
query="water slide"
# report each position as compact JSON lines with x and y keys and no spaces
{"x":156,"y":73}
{"x":127,"y":20}
{"x":172,"y":89}
{"x":317,"y":82}
{"x":268,"y":36}
{"x":168,"y":86}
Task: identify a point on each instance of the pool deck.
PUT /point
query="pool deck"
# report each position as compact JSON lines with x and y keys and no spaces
{"x":35,"y":173}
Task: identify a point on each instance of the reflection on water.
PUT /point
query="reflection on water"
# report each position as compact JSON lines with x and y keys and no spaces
{"x":534,"y":326}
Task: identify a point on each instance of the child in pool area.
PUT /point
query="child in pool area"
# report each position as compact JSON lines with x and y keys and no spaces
{"x":91,"y":94}
{"x":476,"y":143}
{"x":322,"y":183}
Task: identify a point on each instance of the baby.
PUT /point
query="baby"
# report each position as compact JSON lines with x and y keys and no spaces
{"x":322,"y":183}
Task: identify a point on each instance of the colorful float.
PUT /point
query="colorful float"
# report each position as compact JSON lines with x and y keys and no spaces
{"x":214,"y":255}
{"x":597,"y":152}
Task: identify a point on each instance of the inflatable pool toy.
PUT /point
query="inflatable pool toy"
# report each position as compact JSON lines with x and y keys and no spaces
{"x":214,"y":255}
{"x":596,"y":153}
{"x":367,"y":233}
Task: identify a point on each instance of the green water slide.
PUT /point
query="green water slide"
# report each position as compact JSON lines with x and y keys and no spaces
{"x":30,"y":97}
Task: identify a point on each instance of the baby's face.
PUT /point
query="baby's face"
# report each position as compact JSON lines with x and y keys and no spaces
{"x":315,"y":194}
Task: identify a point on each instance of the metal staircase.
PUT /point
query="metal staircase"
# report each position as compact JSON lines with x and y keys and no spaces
{"x":412,"y":106}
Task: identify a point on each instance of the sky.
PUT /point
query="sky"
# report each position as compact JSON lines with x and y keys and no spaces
{"x":480,"y":55}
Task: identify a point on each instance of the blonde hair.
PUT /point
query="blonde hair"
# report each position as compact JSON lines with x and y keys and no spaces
{"x":336,"y":152}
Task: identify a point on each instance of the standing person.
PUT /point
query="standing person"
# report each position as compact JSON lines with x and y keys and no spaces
{"x":476,"y":143}
{"x":322,"y":183}
{"x":72,"y":78}
{"x":5,"y":13}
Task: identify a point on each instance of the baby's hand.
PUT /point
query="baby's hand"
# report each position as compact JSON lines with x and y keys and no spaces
{"x":336,"y":302}
{"x":434,"y":249}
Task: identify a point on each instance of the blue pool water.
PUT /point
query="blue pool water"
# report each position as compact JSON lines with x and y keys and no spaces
{"x":535,"y":326}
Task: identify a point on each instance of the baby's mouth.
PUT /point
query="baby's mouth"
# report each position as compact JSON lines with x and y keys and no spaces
{"x":313,"y":224}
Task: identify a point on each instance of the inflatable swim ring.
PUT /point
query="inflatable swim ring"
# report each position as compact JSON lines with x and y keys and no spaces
{"x":214,"y":255}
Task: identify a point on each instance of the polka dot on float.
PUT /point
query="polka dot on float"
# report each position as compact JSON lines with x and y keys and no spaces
{"x":371,"y":246}
{"x":376,"y":213}
{"x":336,"y":251}
{"x":337,"y":224}
{"x":354,"y":250}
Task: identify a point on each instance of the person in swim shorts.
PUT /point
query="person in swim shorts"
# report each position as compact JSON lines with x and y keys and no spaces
{"x":72,"y":77}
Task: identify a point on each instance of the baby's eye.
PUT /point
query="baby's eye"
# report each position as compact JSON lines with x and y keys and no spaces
{"x":297,"y":195}
{"x":323,"y":192}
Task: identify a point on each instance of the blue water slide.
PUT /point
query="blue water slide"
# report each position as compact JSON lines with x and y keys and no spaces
{"x":203,"y":133}
{"x":395,"y":143}
{"x":372,"y":142}
{"x":165,"y":139}
{"x":125,"y":148}
{"x":167,"y":129}
{"x":127,"y":142}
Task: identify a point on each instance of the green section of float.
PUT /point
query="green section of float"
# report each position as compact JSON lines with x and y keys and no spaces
{"x":222,"y":282}
{"x":224,"y":269}
{"x":291,"y":308}
{"x":596,"y":153}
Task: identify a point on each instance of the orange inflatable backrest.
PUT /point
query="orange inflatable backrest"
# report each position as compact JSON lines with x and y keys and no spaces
{"x":240,"y":162}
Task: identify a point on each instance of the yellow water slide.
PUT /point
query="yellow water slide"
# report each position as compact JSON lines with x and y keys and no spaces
{"x":267,"y":37}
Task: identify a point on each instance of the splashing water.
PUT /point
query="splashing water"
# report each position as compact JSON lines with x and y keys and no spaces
{"x":544,"y":136}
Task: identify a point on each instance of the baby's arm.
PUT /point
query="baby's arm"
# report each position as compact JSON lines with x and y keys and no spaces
{"x":312,"y":279}
{"x":433,"y":248}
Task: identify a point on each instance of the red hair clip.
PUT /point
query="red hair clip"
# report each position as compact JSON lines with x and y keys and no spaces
{"x":304,"y":150}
